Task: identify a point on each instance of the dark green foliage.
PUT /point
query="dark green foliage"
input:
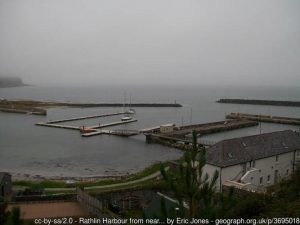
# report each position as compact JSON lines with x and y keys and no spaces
{"x":190,"y":185}
{"x":3,"y":213}
{"x":282,"y":200}
{"x":14,"y":217}
{"x":285,"y":200}
{"x":166,"y":212}
{"x":249,"y":205}
{"x":289,"y":188}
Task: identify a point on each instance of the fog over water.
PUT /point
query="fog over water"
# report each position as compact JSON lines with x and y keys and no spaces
{"x":43,"y":151}
{"x":79,"y":42}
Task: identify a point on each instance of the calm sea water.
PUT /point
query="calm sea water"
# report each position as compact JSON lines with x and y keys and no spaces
{"x":29,"y":149}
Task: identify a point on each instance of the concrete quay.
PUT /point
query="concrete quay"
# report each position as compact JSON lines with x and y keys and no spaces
{"x":209,"y":128}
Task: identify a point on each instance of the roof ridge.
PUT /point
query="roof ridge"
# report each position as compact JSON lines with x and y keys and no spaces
{"x":254,"y":135}
{"x":242,"y":149}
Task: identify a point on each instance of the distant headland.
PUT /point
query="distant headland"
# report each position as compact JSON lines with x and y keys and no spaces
{"x":11,"y":82}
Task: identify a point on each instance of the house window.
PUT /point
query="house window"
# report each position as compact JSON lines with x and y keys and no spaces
{"x":277,"y":158}
{"x":260,"y":180}
{"x":268,"y":179}
{"x":253,"y":164}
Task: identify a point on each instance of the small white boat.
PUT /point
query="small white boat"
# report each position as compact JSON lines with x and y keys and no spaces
{"x":130,"y":111}
{"x":126,"y":118}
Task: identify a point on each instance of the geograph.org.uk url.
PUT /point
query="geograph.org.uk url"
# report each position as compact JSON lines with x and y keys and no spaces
{"x":268,"y":221}
{"x":169,"y":221}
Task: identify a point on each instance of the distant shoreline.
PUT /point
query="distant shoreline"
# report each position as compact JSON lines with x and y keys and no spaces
{"x":259,"y":102}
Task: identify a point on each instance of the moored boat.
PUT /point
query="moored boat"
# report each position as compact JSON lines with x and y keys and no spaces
{"x":126,"y":118}
{"x":85,"y":130}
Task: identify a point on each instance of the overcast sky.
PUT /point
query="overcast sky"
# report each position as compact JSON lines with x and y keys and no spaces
{"x":253,"y":42}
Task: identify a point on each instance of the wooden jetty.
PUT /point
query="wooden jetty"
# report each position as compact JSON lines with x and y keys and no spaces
{"x":264,"y":118}
{"x":84,"y":117}
{"x":96,"y":129}
{"x":92,"y":127}
{"x":96,"y":132}
{"x":58,"y":126}
{"x":112,"y":124}
{"x":124,"y":133}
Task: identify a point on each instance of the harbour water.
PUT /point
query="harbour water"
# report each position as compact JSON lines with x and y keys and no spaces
{"x":42,"y":151}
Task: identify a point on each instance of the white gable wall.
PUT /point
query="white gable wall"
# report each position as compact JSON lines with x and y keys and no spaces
{"x":264,"y":175}
{"x":269,"y":166}
{"x":232,"y":172}
{"x":210,"y":170}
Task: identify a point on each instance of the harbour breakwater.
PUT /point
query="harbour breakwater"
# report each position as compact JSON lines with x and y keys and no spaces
{"x":259,"y":102}
{"x":31,"y":103}
{"x":39,"y":107}
{"x":24,"y":110}
{"x":265,"y":118}
{"x":121,"y":104}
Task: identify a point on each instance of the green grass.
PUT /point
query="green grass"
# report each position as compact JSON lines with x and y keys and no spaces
{"x":59,"y":192}
{"x":61,"y":184}
{"x":147,"y":171}
{"x":149,"y":184}
{"x":41,"y":184}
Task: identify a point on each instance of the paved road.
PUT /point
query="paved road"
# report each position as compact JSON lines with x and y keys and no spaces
{"x":149,"y":177}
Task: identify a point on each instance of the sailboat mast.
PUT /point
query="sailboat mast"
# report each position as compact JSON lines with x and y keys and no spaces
{"x":124,"y":100}
{"x":130,"y":101}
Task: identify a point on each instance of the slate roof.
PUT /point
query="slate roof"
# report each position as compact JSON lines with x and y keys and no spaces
{"x":240,"y":150}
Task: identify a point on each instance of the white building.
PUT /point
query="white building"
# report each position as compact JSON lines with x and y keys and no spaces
{"x":167,"y":128}
{"x":254,"y":162}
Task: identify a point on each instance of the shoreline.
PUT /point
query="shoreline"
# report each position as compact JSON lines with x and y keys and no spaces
{"x":38,"y":178}
{"x":118,"y":175}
